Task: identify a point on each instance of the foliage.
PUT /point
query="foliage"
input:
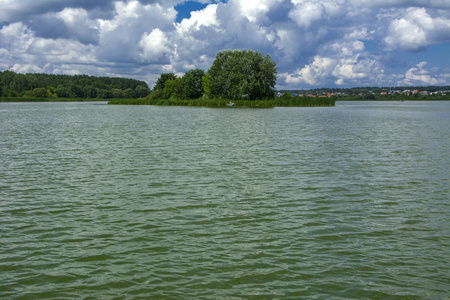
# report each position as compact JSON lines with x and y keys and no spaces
{"x":207,"y":86}
{"x":142,"y":91}
{"x":68,"y":86}
{"x":174,"y":88}
{"x":161,"y":82}
{"x":239,"y":74}
{"x":193,"y":84}
{"x":218,"y":102}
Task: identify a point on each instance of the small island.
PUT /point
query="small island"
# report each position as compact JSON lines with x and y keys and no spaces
{"x":237,"y":78}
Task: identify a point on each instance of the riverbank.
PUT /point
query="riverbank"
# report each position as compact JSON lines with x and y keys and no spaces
{"x":38,"y":99}
{"x":279,"y":102}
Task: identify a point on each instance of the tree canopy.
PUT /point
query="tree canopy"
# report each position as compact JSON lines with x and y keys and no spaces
{"x":69,"y":86}
{"x":189,"y":86}
{"x":193,"y":83}
{"x":237,"y":74}
{"x":161,"y":82}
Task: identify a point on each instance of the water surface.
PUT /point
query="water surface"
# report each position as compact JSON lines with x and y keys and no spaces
{"x":128,"y":202}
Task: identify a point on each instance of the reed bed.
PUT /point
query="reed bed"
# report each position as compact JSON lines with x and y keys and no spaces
{"x":204,"y":102}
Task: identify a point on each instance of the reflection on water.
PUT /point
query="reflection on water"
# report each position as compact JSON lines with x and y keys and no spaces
{"x":102,"y":201}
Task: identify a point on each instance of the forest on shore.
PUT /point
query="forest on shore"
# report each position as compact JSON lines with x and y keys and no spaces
{"x":49,"y":86}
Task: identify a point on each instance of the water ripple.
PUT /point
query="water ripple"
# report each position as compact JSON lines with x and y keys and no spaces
{"x":101,"y":202}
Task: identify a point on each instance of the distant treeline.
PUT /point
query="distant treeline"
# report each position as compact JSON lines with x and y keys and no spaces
{"x":374,"y":89}
{"x":379,"y":93}
{"x":396,"y":96}
{"x":36,"y":85}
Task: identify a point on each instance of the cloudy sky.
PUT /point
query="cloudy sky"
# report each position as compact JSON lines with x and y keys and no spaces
{"x":316,"y":43}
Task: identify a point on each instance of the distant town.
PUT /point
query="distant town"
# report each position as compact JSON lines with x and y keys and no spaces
{"x":374,"y":93}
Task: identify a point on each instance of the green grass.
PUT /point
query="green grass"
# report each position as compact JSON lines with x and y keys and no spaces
{"x":203,"y":102}
{"x":279,"y":102}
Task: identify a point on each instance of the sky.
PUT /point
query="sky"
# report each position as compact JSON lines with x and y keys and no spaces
{"x":315,"y":43}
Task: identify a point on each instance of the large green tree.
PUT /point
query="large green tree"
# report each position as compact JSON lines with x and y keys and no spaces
{"x":193,"y":88}
{"x":161,"y":82}
{"x":238,"y":74}
{"x":174,"y":88}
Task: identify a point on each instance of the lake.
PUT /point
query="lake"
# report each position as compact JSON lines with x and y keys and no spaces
{"x":129,"y":202}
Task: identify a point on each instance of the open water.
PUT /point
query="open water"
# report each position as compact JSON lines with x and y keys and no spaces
{"x":148,"y":202}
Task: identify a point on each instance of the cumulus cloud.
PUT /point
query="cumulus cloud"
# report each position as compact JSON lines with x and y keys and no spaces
{"x":344,"y":63}
{"x":417,"y":30}
{"x":39,"y":54}
{"x":401,"y":3}
{"x":154,"y":45}
{"x":78,"y":25}
{"x":202,"y":18}
{"x":419,"y":76}
{"x":121,"y":37}
{"x":315,"y":42}
{"x":305,"y":14}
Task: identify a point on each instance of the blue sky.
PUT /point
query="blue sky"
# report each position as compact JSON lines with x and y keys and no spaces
{"x":316,"y":43}
{"x":184,"y":9}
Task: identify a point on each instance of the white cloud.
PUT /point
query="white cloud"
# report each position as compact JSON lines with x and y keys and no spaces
{"x":311,"y":74}
{"x":419,"y":76}
{"x":254,"y":9}
{"x":335,"y":70}
{"x":360,"y":34}
{"x":79,"y":25}
{"x":400,"y":3}
{"x":417,"y":30}
{"x":154,"y":45}
{"x":307,"y":13}
{"x":206,"y":17}
{"x":26,"y":68}
{"x":16,"y":36}
{"x":341,"y":63}
{"x":120,"y":38}
{"x":39,"y":54}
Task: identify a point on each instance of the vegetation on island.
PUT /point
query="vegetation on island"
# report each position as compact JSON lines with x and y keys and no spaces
{"x":234,"y":75}
{"x":240,"y":78}
{"x":39,"y":87}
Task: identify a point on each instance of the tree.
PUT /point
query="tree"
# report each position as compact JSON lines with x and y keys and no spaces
{"x":174,"y":88}
{"x":77,"y":91}
{"x":104,"y":94}
{"x":40,"y":92}
{"x":193,"y":87}
{"x":129,"y":93}
{"x":141,"y":91}
{"x":207,"y":85}
{"x":77,"y":86}
{"x":117,"y":93}
{"x":89,"y":92}
{"x":161,"y":82}
{"x":241,"y":74}
{"x":62,"y":92}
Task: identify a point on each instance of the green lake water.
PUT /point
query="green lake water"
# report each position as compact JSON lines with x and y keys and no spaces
{"x":148,"y":202}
